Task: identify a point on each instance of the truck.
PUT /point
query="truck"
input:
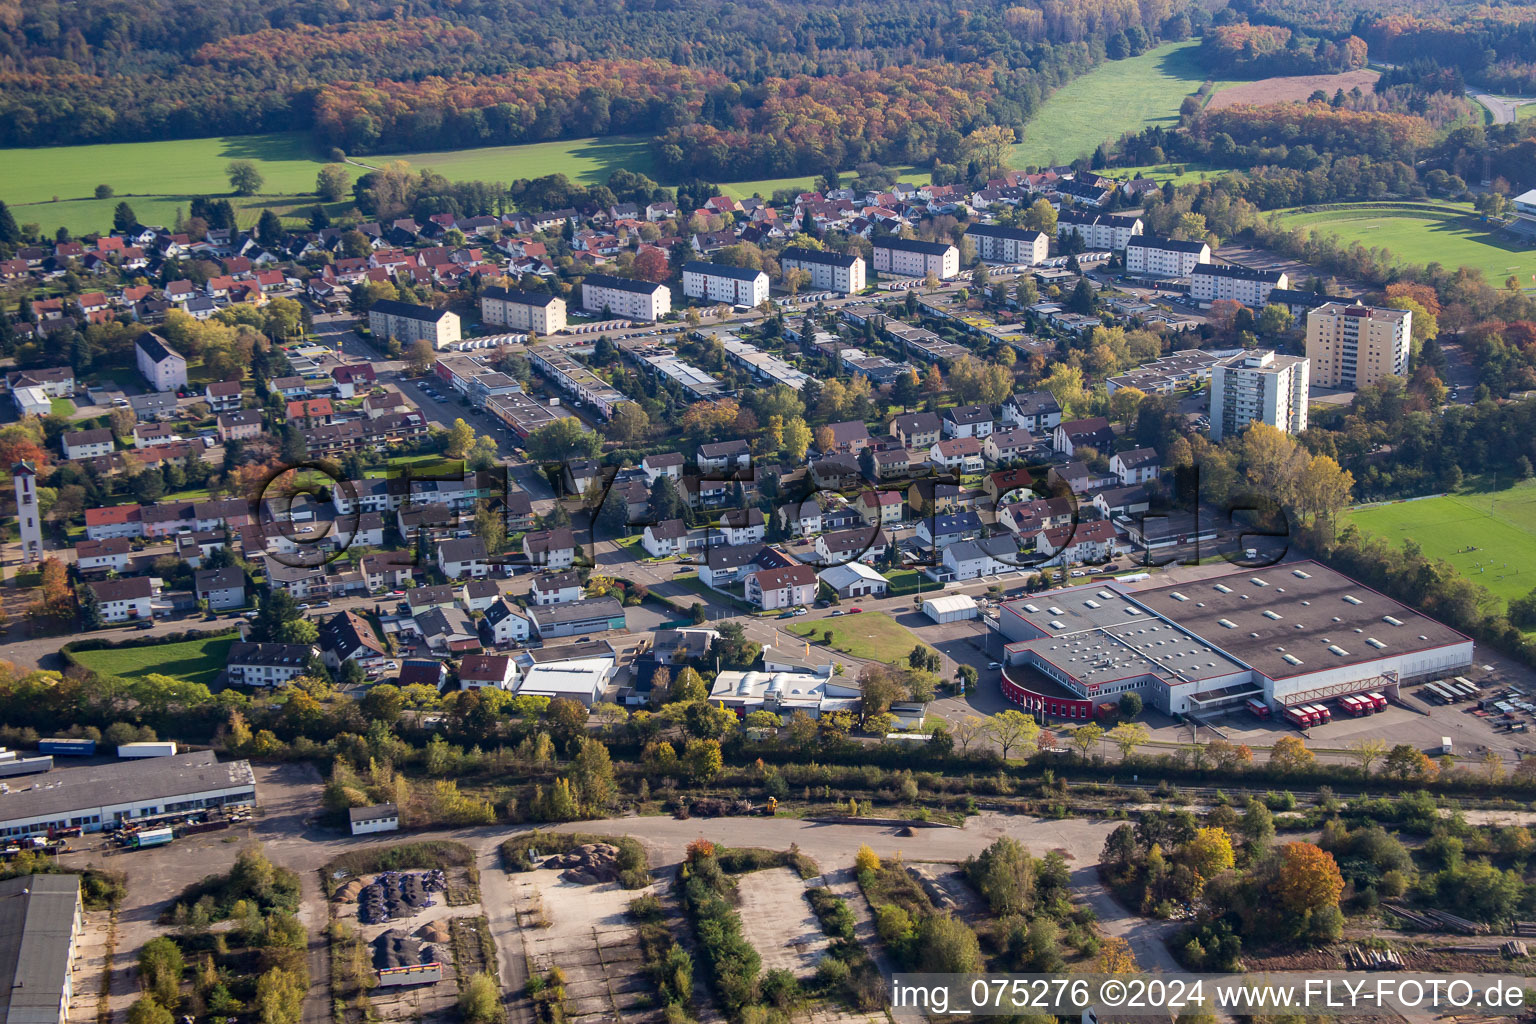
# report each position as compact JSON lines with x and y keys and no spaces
{"x":1445,"y":745}
{"x":25,"y":766}
{"x":67,"y":746}
{"x":132,"y":750}
{"x":1355,"y":706}
{"x":1300,"y":717}
{"x":1258,"y":708}
{"x":151,"y":837}
{"x":1320,"y":714}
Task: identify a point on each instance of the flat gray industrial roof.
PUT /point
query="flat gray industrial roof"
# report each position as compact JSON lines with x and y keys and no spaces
{"x":37,"y":914}
{"x":1296,"y":618}
{"x":65,"y":790}
{"x":1097,"y":634}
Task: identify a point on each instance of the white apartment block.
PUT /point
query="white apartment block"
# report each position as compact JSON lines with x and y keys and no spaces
{"x":716,"y":282}
{"x":1210,"y":282}
{"x":162,"y":366}
{"x":407,"y":323}
{"x":1356,"y":346}
{"x":997,"y":244}
{"x":1099,"y":230}
{"x":1164,"y":257}
{"x":534,"y":312}
{"x":908,"y":257}
{"x":1259,"y":387}
{"x":830,"y":271}
{"x":625,"y":297}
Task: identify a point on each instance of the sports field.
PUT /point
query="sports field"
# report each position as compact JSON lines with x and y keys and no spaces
{"x":1118,"y":96}
{"x":1447,"y":233}
{"x":1489,"y":536}
{"x":196,"y":661}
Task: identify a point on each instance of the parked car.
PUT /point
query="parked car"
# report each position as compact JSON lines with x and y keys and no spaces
{"x":789,"y":614}
{"x":854,"y":611}
{"x":994,"y":665}
{"x":836,"y":612}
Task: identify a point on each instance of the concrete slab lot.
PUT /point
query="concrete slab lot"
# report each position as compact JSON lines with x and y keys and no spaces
{"x":778,"y":921}
{"x":582,"y":929}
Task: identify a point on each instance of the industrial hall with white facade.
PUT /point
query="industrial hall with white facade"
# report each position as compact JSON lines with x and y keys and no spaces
{"x":1297,"y":634}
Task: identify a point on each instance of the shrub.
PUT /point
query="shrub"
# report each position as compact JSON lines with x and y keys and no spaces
{"x":866,"y":859}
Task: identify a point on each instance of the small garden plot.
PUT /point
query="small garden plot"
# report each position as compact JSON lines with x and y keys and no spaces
{"x":779,"y":922}
{"x":581,"y":928}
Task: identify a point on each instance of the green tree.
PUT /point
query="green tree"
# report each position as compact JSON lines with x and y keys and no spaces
{"x":160,"y":968}
{"x":123,"y":217}
{"x":592,"y":776}
{"x":269,"y":228}
{"x":10,"y":234}
{"x":1130,"y":704}
{"x":461,"y":437}
{"x":563,"y":440}
{"x":480,"y":1000}
{"x":333,"y":182}
{"x":244,"y":178}
{"x":147,"y":1011}
{"x":1004,"y":874}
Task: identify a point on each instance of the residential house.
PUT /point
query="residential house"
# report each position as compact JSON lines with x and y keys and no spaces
{"x":917,"y":430}
{"x":844,"y":546}
{"x":504,"y":623}
{"x":119,"y":600}
{"x":347,"y":636}
{"x":855,"y":579}
{"x":1037,"y":412}
{"x":478,"y":595}
{"x":938,"y":531}
{"x":743,"y":526}
{"x":625,"y":297}
{"x":1088,"y":542}
{"x":880,"y":508}
{"x":221,"y":588}
{"x":959,"y":454}
{"x":239,"y":426}
{"x":266,"y":664}
{"x":478,"y":671}
{"x":114,"y":521}
{"x":1009,"y":445}
{"x":669,"y":464}
{"x":463,"y":558}
{"x":555,"y":588}
{"x":1153,"y":256}
{"x":1094,"y":432}
{"x":724,"y":456}
{"x":162,"y":366}
{"x":968,"y":421}
{"x":1136,"y":466}
{"x":787,"y":587}
{"x":552,"y":549}
{"x":408,"y":323}
{"x":986,"y":556}
{"x":103,"y":556}
{"x":848,"y":437}
{"x":86,"y":444}
{"x":223,"y":396}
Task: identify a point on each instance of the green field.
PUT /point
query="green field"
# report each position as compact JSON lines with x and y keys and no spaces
{"x":873,"y":636}
{"x":1489,"y":536}
{"x":768,"y":186}
{"x":196,"y":661}
{"x":1447,"y":233}
{"x":585,"y":160}
{"x":1118,"y":96}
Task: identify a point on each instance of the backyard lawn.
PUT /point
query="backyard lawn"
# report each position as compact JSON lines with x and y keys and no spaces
{"x":197,"y":661}
{"x":873,"y":636}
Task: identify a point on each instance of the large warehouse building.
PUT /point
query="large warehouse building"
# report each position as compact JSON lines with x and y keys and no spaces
{"x":95,"y":796}
{"x":1298,"y":633}
{"x":40,"y":926}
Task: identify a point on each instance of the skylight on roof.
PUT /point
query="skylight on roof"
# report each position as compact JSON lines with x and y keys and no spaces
{"x":1227,"y":623}
{"x":1271,"y":615}
{"x":1091,"y":603}
{"x":1223,"y":588}
{"x":1336,"y":649}
{"x":1291,"y":658}
{"x":1301,"y":575}
{"x":1375,"y":643}
{"x":1178,"y":596}
{"x":1389,"y":620}
{"x":1352,"y":599}
{"x":1257,"y":582}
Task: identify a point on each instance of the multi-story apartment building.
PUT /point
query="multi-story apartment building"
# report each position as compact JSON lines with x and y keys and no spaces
{"x":407,"y":323}
{"x":716,"y":282}
{"x":1212,"y":281}
{"x":1099,"y":230}
{"x":625,"y":297}
{"x":162,"y":366}
{"x":1259,"y":387}
{"x":534,"y":312}
{"x":1152,"y":256}
{"x":998,"y":244}
{"x":830,"y":271}
{"x":1354,"y":346}
{"x":908,"y":257}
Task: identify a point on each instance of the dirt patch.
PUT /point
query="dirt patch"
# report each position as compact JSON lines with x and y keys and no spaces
{"x":1291,"y":88}
{"x":394,"y":948}
{"x":433,"y":931}
{"x":583,"y":930}
{"x":398,"y":894}
{"x":778,"y":921}
{"x":587,"y":865}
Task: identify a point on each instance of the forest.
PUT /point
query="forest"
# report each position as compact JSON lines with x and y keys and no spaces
{"x":371,"y":76}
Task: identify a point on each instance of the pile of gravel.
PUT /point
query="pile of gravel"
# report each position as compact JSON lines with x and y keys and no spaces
{"x":588,"y":865}
{"x":398,"y":894}
{"x":394,"y":948}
